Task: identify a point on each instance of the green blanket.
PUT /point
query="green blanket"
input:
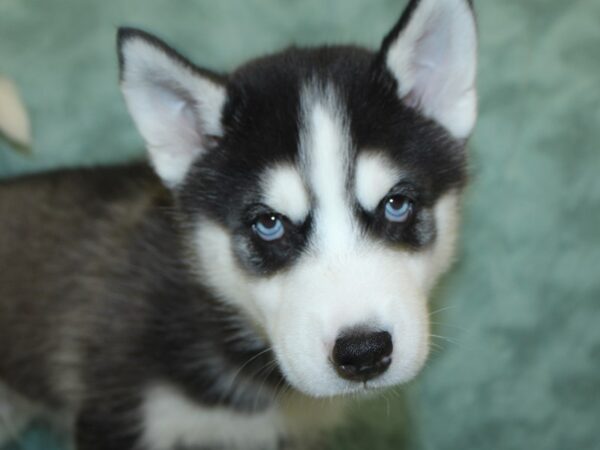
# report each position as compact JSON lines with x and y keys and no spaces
{"x":518,"y":363}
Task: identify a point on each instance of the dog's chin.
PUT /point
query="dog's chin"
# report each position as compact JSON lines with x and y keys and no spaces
{"x":317,"y":377}
{"x":366,"y":389}
{"x":338,"y":387}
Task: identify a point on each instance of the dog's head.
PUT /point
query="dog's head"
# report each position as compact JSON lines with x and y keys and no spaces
{"x":321,"y":186}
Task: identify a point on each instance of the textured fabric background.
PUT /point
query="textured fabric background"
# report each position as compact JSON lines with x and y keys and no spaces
{"x":519,"y":364}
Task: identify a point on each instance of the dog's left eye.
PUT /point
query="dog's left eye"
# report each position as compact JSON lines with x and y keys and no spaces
{"x":398,"y":208}
{"x":269,"y":227}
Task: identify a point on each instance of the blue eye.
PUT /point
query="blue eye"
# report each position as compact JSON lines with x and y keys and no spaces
{"x":398,"y":208}
{"x":269,"y":227}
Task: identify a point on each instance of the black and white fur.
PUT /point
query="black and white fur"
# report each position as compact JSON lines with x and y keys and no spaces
{"x":148,"y":313}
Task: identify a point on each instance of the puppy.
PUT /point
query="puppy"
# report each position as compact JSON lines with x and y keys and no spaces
{"x":279,"y":251}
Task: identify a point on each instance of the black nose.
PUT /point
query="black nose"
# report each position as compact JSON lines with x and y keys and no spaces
{"x":361,"y":356}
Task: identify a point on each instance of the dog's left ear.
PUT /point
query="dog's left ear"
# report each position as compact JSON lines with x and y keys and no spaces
{"x":432,"y":53}
{"x":175,"y":105}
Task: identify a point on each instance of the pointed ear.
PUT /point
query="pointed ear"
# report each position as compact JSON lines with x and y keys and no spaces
{"x":432,"y":53}
{"x":175,"y":105}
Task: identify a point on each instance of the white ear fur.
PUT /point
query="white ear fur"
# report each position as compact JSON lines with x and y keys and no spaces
{"x":175,"y":106}
{"x":432,"y":52}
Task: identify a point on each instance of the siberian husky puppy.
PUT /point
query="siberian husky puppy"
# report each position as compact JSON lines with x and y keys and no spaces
{"x":279,"y":251}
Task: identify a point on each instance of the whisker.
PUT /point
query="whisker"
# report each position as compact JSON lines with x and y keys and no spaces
{"x":441,"y":309}
{"x":436,"y":347}
{"x":238,"y":372}
{"x":268,"y":368}
{"x":444,"y":338}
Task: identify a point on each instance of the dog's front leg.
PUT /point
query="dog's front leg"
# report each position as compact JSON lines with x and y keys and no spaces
{"x":102,"y":428}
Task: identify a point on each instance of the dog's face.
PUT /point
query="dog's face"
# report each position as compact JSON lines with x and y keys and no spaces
{"x":320,"y":186}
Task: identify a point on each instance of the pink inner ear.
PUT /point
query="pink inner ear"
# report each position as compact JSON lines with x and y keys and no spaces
{"x":173,"y":105}
{"x":432,"y":64}
{"x":434,"y":60}
{"x":177,"y":122}
{"x":191,"y":124}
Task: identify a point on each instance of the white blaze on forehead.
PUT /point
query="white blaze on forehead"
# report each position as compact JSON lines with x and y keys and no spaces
{"x":285,"y":193}
{"x":375,"y":176}
{"x":325,"y":143}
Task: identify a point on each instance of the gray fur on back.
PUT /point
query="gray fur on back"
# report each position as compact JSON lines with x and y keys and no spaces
{"x":63,"y":236}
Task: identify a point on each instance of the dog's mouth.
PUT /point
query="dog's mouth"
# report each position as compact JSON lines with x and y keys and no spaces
{"x":353,"y":369}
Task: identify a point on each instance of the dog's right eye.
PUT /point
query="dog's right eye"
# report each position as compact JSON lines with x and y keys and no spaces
{"x":269,"y":227}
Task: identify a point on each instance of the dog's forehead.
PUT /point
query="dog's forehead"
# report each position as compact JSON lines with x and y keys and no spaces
{"x":329,"y":174}
{"x":325,"y":148}
{"x":320,"y":122}
{"x":267,"y":97}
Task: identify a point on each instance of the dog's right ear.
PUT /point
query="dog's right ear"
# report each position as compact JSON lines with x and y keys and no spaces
{"x":176,"y":106}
